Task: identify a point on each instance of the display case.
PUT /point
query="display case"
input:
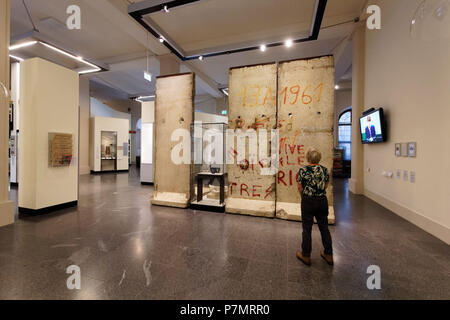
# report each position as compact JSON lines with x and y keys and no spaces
{"x":208,"y":166}
{"x":109,"y":150}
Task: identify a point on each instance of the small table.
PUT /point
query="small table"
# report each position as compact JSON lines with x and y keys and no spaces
{"x":208,"y":175}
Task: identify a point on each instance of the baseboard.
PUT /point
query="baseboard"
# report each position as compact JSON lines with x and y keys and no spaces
{"x":430,"y":226}
{"x":147,"y":183}
{"x":48,"y":209}
{"x":109,"y":171}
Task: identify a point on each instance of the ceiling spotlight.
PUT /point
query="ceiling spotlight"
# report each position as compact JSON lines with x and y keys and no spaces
{"x":148,"y":76}
{"x":200,"y":58}
{"x":288,"y":43}
{"x":161,"y":39}
{"x":336,"y":87}
{"x":166,"y":9}
{"x":262,"y":47}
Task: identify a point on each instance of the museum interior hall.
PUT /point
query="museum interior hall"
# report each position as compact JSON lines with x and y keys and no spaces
{"x":182,"y":149}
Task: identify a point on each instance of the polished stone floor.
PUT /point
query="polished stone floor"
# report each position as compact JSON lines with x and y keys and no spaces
{"x":127,"y":249}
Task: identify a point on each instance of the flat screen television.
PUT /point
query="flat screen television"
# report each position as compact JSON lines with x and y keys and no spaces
{"x":373,"y":127}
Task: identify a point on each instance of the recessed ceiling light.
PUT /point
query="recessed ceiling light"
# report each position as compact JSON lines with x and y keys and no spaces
{"x":288,"y":43}
{"x":22,"y":45}
{"x":200,"y":58}
{"x":262,"y":47}
{"x":147,"y":76}
{"x":161,"y":39}
{"x":89,"y":71}
{"x":15,"y":57}
{"x":144,"y":98}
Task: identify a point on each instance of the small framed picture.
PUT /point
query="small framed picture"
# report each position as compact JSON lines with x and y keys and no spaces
{"x":398,"y":149}
{"x":412,"y":146}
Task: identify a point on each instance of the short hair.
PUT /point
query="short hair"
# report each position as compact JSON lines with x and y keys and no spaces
{"x":313,"y":156}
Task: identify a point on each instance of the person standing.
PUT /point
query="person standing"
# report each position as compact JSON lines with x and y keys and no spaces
{"x":312,"y":183}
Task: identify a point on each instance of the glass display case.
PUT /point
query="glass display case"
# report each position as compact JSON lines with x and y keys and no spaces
{"x":109,"y":151}
{"x":208,"y":166}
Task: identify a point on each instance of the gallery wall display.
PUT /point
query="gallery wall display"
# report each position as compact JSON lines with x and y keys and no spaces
{"x":60,"y":149}
{"x":174,"y":109}
{"x":109,"y":144}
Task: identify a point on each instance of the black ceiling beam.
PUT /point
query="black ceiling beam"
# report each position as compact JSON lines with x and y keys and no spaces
{"x":138,"y":15}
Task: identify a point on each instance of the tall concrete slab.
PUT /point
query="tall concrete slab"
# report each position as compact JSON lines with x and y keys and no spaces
{"x":305,"y":120}
{"x":252,"y":108}
{"x":174,"y":109}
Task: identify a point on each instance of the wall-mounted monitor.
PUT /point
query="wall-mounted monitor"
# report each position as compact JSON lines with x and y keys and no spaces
{"x":373,"y":126}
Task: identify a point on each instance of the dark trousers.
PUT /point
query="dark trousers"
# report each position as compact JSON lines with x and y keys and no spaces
{"x":315,"y":207}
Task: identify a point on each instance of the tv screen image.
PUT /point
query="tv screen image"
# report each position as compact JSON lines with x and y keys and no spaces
{"x":372,"y":127}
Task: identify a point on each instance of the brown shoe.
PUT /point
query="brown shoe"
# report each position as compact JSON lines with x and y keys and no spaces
{"x":327,"y":257}
{"x":305,"y":260}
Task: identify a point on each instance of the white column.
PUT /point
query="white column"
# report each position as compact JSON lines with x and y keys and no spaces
{"x":6,"y":206}
{"x":356,"y":183}
{"x":85,"y":113}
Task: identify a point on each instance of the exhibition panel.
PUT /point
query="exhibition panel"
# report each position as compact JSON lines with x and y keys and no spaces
{"x":109,"y":144}
{"x":109,"y":150}
{"x":174,"y":113}
{"x":305,"y":120}
{"x":147,"y":142}
{"x":48,"y":157}
{"x":252,"y":110}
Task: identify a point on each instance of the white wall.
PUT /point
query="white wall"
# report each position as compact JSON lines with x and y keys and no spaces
{"x":343,"y":100}
{"x":148,"y":112}
{"x":15,"y":92}
{"x":85,"y":106}
{"x":99,"y":124}
{"x":410,"y":79}
{"x":49,"y":103}
{"x":210,"y":118}
{"x":99,"y":109}
{"x":147,"y":141}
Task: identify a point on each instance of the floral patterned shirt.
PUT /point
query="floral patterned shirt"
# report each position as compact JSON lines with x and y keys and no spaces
{"x":313,"y":180}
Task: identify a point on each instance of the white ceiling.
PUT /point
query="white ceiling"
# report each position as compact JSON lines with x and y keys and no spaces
{"x":109,"y":35}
